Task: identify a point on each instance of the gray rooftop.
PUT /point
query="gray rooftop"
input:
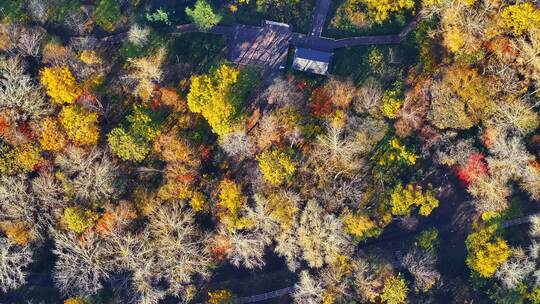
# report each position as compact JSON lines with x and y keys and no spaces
{"x":313,"y":61}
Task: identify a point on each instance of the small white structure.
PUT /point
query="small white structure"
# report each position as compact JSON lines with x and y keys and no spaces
{"x":313,"y":61}
{"x":274,"y":23}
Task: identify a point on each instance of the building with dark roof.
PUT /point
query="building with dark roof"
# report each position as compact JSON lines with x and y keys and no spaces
{"x":314,"y":61}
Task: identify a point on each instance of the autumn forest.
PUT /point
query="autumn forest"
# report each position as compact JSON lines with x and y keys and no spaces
{"x":269,"y":151}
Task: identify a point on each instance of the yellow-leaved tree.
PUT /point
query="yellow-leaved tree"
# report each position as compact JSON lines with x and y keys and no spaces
{"x":80,"y":125}
{"x":51,"y":137}
{"x":276,"y":166}
{"x":231,"y":203}
{"x":218,"y":96}
{"x":381,"y":10}
{"x":521,"y":17}
{"x":486,"y":251}
{"x":61,"y":85}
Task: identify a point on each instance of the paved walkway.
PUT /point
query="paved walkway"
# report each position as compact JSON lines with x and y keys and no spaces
{"x":319,"y":19}
{"x":267,"y":45}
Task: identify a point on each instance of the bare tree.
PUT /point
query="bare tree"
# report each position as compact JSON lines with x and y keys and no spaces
{"x":514,"y":116}
{"x":367,"y":283}
{"x":282,"y":92}
{"x":92,"y":174}
{"x":530,"y":181}
{"x":369,"y":97}
{"x":490,"y":192}
{"x":16,"y":202}
{"x":30,"y":41}
{"x":50,"y":194}
{"x":13,"y":261}
{"x":81,"y":265}
{"x":138,"y":35}
{"x":341,"y":92}
{"x":19,"y":95}
{"x":238,"y":145}
{"x":308,"y":290}
{"x":510,"y":157}
{"x":247,"y":249}
{"x":422,"y":266}
{"x":516,"y":269}
{"x":535,"y":227}
{"x":321,"y":236}
{"x":181,"y":248}
{"x":38,"y":9}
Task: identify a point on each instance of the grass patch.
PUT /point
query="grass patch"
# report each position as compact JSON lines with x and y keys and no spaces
{"x":349,"y":62}
{"x":198,"y":51}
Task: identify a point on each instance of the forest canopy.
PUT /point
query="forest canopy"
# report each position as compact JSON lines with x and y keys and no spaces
{"x":174,"y":152}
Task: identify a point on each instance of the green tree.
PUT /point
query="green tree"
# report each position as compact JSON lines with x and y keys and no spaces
{"x":160,"y":15}
{"x":203,"y":15}
{"x":108,"y":14}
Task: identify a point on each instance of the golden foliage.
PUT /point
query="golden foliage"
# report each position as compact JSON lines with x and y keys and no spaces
{"x":78,"y":218}
{"x":403,"y":199}
{"x":80,"y":125}
{"x":218,"y":97}
{"x":61,"y":85}
{"x":395,"y":290}
{"x":18,"y":232}
{"x":51,"y":137}
{"x":521,"y":17}
{"x":90,"y":57}
{"x":486,"y":251}
{"x":358,"y":225}
{"x":381,"y":10}
{"x":198,"y":202}
{"x":231,"y":202}
{"x":276,"y":166}
{"x":27,"y":157}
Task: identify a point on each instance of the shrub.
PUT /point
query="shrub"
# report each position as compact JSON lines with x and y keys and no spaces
{"x":428,"y":240}
{"x":78,"y":218}
{"x":74,"y":300}
{"x":108,"y":14}
{"x":222,"y":296}
{"x":61,"y":85}
{"x":160,"y":15}
{"x":381,"y":10}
